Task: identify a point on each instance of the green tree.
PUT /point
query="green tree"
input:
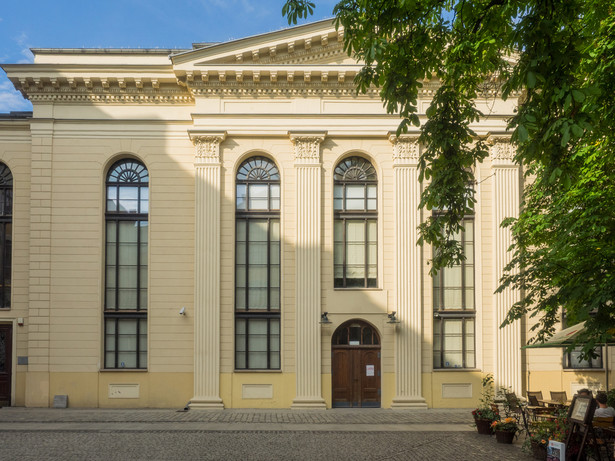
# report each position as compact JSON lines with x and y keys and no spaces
{"x":560,"y":56}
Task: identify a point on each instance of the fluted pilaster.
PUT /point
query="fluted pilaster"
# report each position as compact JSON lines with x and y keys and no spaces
{"x":407,"y":274}
{"x":307,"y":281}
{"x":207,"y":271}
{"x":506,"y":204}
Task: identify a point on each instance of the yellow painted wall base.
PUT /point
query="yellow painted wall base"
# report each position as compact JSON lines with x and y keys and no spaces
{"x":454,"y":389}
{"x":257,"y":390}
{"x":122,"y":389}
{"x":37,"y":389}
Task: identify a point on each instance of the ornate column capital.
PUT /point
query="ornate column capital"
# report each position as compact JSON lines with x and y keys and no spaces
{"x":501,"y":150}
{"x":307,"y":146}
{"x":207,"y":145}
{"x":406,"y":149}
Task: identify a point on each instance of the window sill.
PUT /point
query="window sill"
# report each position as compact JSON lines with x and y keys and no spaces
{"x":257,"y":371}
{"x":356,"y":289}
{"x":584,"y":369}
{"x":456,"y":370}
{"x":123,"y":370}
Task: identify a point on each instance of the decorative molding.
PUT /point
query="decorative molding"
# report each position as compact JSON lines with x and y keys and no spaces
{"x":406,"y":149}
{"x":207,"y":145}
{"x":500,"y":148}
{"x":307,"y":146}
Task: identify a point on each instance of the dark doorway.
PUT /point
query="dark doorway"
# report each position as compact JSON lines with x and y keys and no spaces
{"x":6,"y":354}
{"x":355,"y":366}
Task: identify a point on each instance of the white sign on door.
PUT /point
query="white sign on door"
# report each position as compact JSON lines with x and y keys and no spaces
{"x":369,"y":370}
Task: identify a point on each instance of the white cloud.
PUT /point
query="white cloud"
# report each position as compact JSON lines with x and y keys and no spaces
{"x":11,"y":99}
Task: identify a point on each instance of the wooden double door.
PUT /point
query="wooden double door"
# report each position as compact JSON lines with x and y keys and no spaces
{"x":6,"y":366}
{"x":356,"y":377}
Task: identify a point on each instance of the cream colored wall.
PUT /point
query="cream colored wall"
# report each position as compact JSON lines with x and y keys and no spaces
{"x":15,"y":152}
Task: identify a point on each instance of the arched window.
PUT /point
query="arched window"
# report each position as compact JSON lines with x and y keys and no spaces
{"x":355,"y":333}
{"x":355,"y":204}
{"x":257,"y":265}
{"x":126,"y":244}
{"x":454,"y":309}
{"x":6,"y":234}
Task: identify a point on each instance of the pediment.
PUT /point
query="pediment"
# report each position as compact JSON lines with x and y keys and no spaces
{"x":312,"y":44}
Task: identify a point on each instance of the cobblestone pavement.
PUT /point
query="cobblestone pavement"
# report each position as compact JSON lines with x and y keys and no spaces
{"x":82,"y":434}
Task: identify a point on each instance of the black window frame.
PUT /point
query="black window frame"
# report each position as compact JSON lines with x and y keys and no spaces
{"x":464,"y":314}
{"x":125,"y":173}
{"x":354,"y":171}
{"x":6,"y":235}
{"x":257,"y":170}
{"x":569,"y":359}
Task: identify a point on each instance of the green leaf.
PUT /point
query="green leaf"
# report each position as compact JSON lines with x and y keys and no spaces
{"x":531,"y":79}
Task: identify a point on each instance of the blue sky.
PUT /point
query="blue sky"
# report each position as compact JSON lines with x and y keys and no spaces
{"x":128,"y":24}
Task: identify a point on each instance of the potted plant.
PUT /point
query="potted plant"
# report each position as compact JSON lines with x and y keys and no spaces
{"x":487,"y":411}
{"x":538,"y":439}
{"x":505,"y":429}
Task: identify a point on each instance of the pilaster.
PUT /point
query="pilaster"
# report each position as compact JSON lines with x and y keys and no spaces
{"x":307,"y":281}
{"x":408,"y":305}
{"x":207,"y":270}
{"x":37,"y":378}
{"x":506,"y":203}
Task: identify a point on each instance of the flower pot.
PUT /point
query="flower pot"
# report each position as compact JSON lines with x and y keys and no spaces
{"x":484,"y":426}
{"x":539,"y":451}
{"x":504,"y":436}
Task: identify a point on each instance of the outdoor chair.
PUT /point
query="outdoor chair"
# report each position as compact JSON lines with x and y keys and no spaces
{"x":559,"y":396}
{"x":515,"y":407}
{"x":536,"y":409}
{"x":604,"y":430}
{"x":534,"y":397}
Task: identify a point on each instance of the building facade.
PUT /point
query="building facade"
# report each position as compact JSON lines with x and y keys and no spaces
{"x":232,"y":225}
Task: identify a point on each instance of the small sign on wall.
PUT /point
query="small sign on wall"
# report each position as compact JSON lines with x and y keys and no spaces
{"x":369,"y":370}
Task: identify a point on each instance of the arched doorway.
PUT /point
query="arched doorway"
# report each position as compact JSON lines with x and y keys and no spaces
{"x":355,"y":366}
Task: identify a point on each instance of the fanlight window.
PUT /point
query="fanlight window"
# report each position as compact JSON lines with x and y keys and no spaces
{"x":258,"y":185}
{"x":355,"y":333}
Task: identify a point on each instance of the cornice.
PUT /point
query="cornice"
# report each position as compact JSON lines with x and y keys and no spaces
{"x":112,"y":90}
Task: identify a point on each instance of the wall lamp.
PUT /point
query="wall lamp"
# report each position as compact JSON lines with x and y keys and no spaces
{"x":324,"y":319}
{"x":392,"y":318}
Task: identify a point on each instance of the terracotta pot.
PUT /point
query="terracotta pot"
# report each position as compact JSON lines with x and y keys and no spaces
{"x":504,"y":436}
{"x":539,"y":451}
{"x":483,"y":426}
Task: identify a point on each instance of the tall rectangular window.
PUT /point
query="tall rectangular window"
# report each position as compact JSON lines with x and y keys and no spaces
{"x":257,"y":266}
{"x":454,"y":310}
{"x":126,"y":263}
{"x":6,"y":234}
{"x":355,"y":239}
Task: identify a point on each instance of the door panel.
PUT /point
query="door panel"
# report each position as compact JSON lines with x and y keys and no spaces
{"x":370,"y":379}
{"x":6,"y":354}
{"x":356,"y":377}
{"x":342,"y":377}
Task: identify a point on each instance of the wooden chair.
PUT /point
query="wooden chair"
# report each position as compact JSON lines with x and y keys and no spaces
{"x":534,"y":397}
{"x":559,"y":396}
{"x":515,"y":407}
{"x":603,"y":430}
{"x":537,"y":410}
